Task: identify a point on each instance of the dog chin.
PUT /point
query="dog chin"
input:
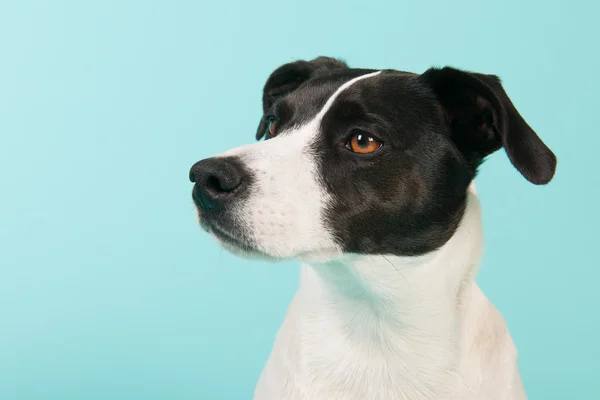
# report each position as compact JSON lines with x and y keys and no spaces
{"x":316,"y":257}
{"x":238,"y":246}
{"x":244,"y":250}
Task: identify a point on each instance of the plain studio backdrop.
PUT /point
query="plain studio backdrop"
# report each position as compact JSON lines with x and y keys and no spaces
{"x":108,"y":287}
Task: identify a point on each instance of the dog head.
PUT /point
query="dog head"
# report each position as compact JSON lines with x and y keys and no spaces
{"x":361,"y":161}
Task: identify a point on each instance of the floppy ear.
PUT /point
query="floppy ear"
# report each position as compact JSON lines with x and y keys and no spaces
{"x":289,"y":77}
{"x":482,"y":119}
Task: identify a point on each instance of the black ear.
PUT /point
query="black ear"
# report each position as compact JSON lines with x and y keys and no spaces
{"x":482,"y":119}
{"x":289,"y":77}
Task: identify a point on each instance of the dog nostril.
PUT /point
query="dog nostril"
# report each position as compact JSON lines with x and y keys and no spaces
{"x":213,"y":184}
{"x":192,"y":177}
{"x":221,"y":185}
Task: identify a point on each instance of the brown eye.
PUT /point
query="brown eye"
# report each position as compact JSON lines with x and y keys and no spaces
{"x":364,"y":144}
{"x":272,"y":126}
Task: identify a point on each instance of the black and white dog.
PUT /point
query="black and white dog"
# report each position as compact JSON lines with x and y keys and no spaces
{"x":366,"y":177}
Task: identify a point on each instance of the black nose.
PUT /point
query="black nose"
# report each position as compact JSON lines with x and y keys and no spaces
{"x":217,"y":180}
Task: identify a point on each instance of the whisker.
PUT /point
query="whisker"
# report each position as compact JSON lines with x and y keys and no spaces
{"x":396,"y":268}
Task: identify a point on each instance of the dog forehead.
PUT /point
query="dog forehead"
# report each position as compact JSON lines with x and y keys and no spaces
{"x":341,"y":90}
{"x":313,"y":102}
{"x":318,"y":97}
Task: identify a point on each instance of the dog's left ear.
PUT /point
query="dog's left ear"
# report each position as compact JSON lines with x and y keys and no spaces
{"x":288,"y":77}
{"x":482,"y":119}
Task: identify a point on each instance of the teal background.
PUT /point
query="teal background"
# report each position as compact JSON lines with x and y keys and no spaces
{"x":109,"y":290}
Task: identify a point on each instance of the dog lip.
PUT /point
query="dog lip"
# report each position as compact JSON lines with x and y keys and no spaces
{"x":205,"y":227}
{"x":200,"y":200}
{"x":230,"y":238}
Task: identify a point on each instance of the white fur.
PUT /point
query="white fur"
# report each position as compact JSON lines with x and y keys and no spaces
{"x":370,"y":327}
{"x":383,"y":328}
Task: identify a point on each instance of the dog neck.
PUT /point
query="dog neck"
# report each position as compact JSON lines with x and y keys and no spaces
{"x":383,"y":324}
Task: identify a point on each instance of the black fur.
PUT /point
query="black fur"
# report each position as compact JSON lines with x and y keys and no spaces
{"x":482,"y":119}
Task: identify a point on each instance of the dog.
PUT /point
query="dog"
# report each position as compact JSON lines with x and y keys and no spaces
{"x":366,"y":177}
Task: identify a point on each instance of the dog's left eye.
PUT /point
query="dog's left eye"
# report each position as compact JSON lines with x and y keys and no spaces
{"x":363,"y":143}
{"x":271,"y":130}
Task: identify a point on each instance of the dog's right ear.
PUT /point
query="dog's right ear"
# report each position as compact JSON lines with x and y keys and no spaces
{"x":289,"y":77}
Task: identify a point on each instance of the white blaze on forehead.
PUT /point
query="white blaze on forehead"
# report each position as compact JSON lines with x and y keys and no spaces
{"x":285,"y":211}
{"x":345,"y":86}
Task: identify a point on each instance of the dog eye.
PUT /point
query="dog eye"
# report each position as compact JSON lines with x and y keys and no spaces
{"x":272,"y":123}
{"x":364,"y":144}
